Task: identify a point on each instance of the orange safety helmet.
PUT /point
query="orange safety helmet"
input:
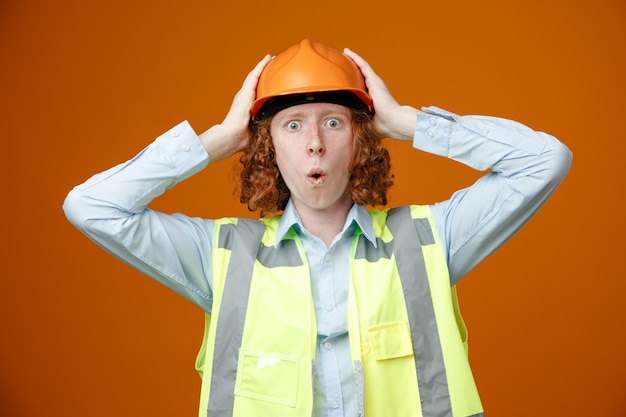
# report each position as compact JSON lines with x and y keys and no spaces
{"x":309,"y":72}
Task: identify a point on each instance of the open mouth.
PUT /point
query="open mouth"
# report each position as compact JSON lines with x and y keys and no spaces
{"x":316,"y":176}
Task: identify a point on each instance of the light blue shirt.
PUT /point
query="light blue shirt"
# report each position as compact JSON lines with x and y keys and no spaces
{"x":525,"y":168}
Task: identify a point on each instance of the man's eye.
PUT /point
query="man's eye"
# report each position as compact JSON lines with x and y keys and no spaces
{"x":293,"y":125}
{"x":334,"y":123}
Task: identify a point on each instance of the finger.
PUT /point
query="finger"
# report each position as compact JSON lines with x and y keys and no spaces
{"x":246,"y":94}
{"x":372,"y":80}
{"x":252,"y":79}
{"x":365,"y":68}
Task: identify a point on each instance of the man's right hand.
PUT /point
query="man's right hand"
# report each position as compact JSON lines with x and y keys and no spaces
{"x":232,"y":135}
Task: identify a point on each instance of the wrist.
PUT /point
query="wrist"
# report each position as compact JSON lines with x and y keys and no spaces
{"x":401,"y":123}
{"x":213,"y":143}
{"x":221,"y":142}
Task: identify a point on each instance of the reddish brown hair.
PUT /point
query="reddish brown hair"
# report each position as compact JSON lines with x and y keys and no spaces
{"x":263,"y":187}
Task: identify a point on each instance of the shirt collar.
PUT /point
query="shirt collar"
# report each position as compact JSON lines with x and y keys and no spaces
{"x":357,"y":214}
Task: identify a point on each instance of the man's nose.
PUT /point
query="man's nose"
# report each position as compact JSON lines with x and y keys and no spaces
{"x":315,"y":144}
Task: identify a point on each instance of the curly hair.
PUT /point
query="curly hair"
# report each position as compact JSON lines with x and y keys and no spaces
{"x":263,"y":187}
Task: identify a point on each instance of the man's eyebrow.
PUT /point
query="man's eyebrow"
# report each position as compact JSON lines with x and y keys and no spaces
{"x":302,"y":113}
{"x":288,"y":115}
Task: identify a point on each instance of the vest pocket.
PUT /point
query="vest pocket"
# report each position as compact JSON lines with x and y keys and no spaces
{"x":267,"y":376}
{"x":390,"y":340}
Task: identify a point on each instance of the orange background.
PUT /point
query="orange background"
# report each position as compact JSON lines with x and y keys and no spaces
{"x":86,"y":85}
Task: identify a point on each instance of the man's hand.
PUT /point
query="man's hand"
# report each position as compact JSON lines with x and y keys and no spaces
{"x":232,"y":135}
{"x":391,"y":120}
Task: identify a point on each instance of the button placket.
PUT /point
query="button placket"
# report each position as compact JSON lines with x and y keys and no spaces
{"x":327,"y":302}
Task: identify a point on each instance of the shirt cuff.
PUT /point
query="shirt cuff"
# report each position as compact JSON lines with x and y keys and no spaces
{"x":433,"y":130}
{"x":183,"y":148}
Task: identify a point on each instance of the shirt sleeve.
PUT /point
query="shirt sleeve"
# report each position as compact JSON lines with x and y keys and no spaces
{"x":110,"y":208}
{"x":525,"y":167}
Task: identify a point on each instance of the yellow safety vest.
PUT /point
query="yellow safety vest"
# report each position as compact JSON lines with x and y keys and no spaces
{"x":407,"y":337}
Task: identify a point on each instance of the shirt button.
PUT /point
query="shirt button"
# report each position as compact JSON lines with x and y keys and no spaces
{"x":327,"y":258}
{"x":485,"y":132}
{"x":175,"y":133}
{"x":334,"y":404}
{"x":185,"y":147}
{"x":433,"y":122}
{"x":430,"y":134}
{"x":328,"y":307}
{"x":327,"y":345}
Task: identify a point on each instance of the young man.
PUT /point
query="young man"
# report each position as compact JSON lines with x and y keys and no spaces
{"x":332,"y":308}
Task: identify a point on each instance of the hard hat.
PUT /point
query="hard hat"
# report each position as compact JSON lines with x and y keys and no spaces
{"x":309,"y":72}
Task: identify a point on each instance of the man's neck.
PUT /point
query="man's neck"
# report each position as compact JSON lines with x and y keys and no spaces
{"x":325,"y":224}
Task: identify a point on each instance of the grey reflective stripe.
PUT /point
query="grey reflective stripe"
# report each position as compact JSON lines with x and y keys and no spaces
{"x":232,"y":314}
{"x":359,"y":379}
{"x":384,"y":250}
{"x":225,"y":238}
{"x":286,"y":254}
{"x":366,"y":251}
{"x":431,"y":372}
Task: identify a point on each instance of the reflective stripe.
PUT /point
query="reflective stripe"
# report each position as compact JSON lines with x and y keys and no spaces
{"x":232,"y":313}
{"x":431,"y":372}
{"x":360,"y":387}
{"x":286,"y":254}
{"x":364,"y":250}
{"x":227,"y":233}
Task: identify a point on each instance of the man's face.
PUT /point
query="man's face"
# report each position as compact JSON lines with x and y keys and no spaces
{"x":313,"y":145}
